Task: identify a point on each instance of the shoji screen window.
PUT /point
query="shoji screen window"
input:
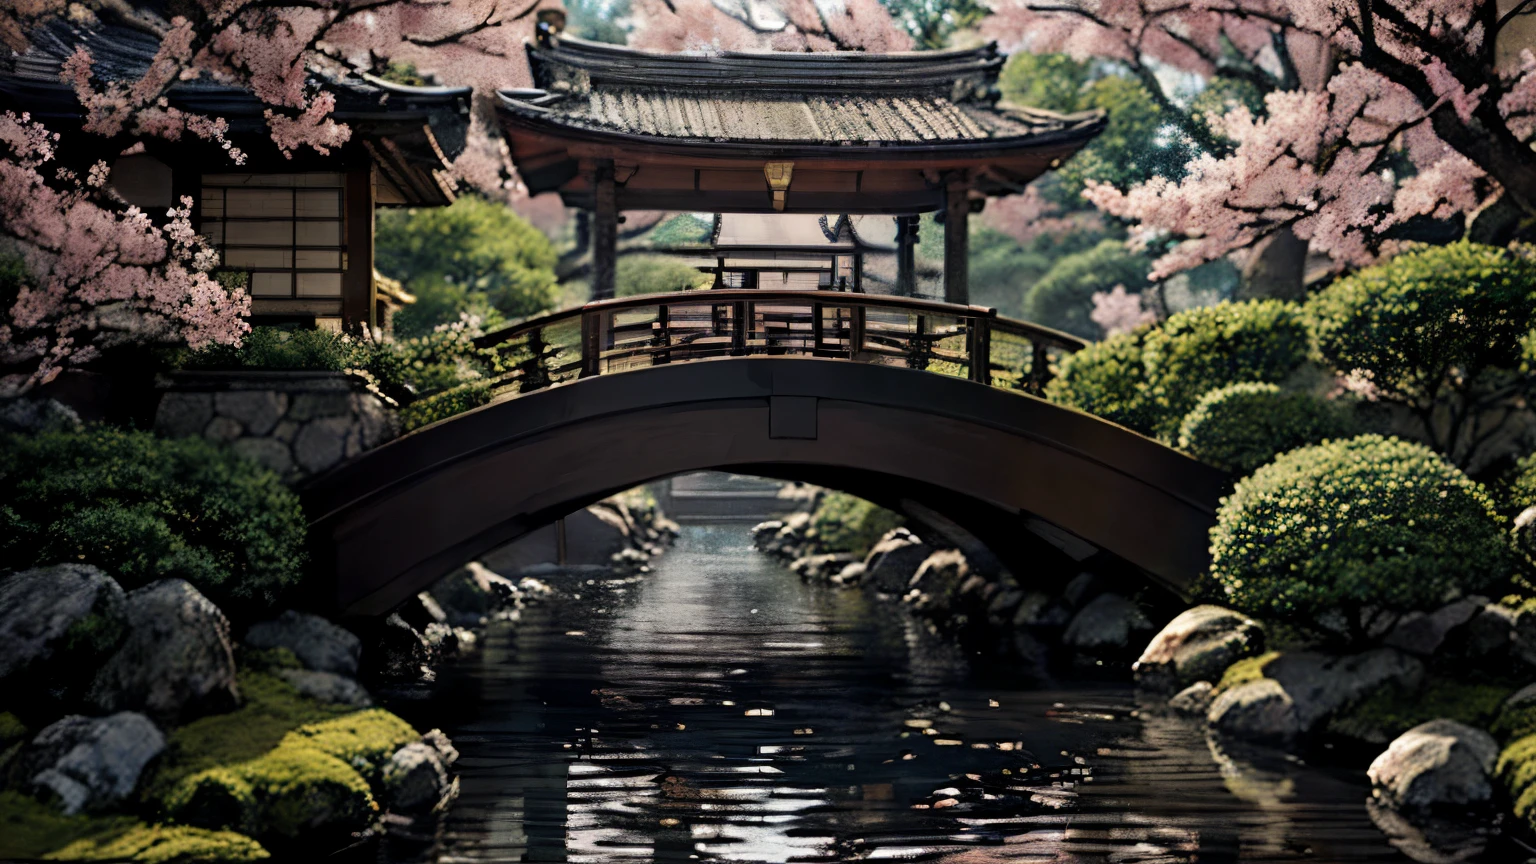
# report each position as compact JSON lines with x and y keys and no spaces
{"x":283,"y":229}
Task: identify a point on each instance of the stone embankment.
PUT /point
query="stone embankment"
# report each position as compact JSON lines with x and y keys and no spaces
{"x":147,"y":722}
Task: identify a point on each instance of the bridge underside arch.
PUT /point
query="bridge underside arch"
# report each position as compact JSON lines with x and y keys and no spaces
{"x":391,"y":522}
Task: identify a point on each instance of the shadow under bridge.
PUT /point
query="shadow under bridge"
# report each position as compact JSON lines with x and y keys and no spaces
{"x":924,"y":406}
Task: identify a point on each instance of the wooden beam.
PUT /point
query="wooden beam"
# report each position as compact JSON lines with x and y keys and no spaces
{"x":357,"y":306}
{"x":957,"y":222}
{"x":858,"y":273}
{"x":605,"y":231}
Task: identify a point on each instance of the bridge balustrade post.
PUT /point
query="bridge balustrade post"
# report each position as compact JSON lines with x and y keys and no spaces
{"x":917,"y":346}
{"x":739,"y":310}
{"x":591,"y":350}
{"x":1039,"y":368}
{"x":855,"y":332}
{"x":817,"y":335}
{"x":663,"y":338}
{"x":980,"y":331}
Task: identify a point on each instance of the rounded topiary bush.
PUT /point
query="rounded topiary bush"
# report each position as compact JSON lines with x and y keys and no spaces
{"x":1242,"y":426}
{"x":1195,"y":352}
{"x":144,"y":508}
{"x":1368,"y":523}
{"x":1427,"y":316}
{"x":1106,"y":379}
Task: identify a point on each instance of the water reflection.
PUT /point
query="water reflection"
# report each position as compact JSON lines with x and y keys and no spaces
{"x":721,"y":710}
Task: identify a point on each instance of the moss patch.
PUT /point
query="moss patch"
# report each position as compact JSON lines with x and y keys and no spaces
{"x":1389,"y":712}
{"x":293,"y":791}
{"x":1515,"y":723}
{"x":272,"y":709}
{"x":30,"y":829}
{"x":270,"y":659}
{"x":1516,"y":769}
{"x":165,"y":844}
{"x":11,"y":729}
{"x":1245,"y":670}
{"x":364,"y":740}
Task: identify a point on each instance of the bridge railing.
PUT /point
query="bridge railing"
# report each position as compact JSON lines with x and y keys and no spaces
{"x":970,"y":342}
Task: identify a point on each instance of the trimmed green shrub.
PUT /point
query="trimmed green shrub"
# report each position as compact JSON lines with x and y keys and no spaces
{"x":166,"y":844}
{"x":1106,"y":379}
{"x":291,"y":348}
{"x":1428,"y":318}
{"x":1241,"y":426}
{"x":1195,"y":352}
{"x":144,"y":508}
{"x":1345,"y":526}
{"x":1063,"y":297}
{"x":445,"y":404}
{"x":844,"y":523}
{"x":655,"y":274}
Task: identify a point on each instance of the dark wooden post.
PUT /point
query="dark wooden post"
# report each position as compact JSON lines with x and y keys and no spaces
{"x":605,"y":230}
{"x":663,"y":339}
{"x":858,"y":272}
{"x":1039,"y":368}
{"x":855,"y":332}
{"x":906,"y":255}
{"x":980,"y":331}
{"x":591,"y":348}
{"x":739,"y":311}
{"x":358,"y":310}
{"x":818,"y":337}
{"x":957,"y":223}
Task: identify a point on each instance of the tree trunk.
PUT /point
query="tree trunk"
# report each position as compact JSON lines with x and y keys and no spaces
{"x":1276,"y":268}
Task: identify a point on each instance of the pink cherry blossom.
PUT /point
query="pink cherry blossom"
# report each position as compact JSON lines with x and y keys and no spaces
{"x":1118,"y":311}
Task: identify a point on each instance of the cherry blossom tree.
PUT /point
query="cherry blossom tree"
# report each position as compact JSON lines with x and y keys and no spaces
{"x":760,"y":25}
{"x":1118,"y":311}
{"x":1375,"y":114}
{"x":98,"y":271}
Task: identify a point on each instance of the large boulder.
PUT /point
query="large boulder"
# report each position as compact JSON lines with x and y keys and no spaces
{"x":1433,"y":791}
{"x":474,"y":594}
{"x":1299,"y":691}
{"x":894,"y":560}
{"x":177,"y":662}
{"x":937,"y":581}
{"x":1197,"y":645}
{"x":54,"y":623}
{"x":319,"y":644}
{"x":1523,"y":637}
{"x":1489,"y":632}
{"x":1106,"y":624}
{"x":415,"y":779}
{"x":1422,"y":634}
{"x":327,"y":687}
{"x":821,"y":568}
{"x":399,"y":651}
{"x":421,"y":611}
{"x":88,"y":762}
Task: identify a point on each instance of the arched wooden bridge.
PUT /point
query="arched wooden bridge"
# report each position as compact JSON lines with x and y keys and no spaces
{"x":890,"y":398}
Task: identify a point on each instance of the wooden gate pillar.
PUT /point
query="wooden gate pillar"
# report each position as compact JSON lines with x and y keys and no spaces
{"x":605,"y":231}
{"x":957,"y":223}
{"x":906,"y":255}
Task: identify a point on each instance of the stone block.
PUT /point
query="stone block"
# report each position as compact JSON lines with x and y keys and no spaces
{"x":257,"y":410}
{"x":184,"y":415}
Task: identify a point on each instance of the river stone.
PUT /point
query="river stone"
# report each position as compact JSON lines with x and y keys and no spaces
{"x":1423,"y":634}
{"x":1082,"y":588}
{"x":89,"y":762}
{"x":1038,"y":609}
{"x":257,"y":410}
{"x":1523,"y":637}
{"x":763,"y":532}
{"x":414,"y":779}
{"x":177,"y":662}
{"x":938,"y":580}
{"x":1321,"y":685}
{"x":1435,"y":766}
{"x":1199,"y":644}
{"x":1258,"y":710}
{"x":421,"y":612}
{"x":473,"y":594}
{"x":1107,"y":622}
{"x":1194,"y":700}
{"x":73,"y":611}
{"x":894,"y":560}
{"x":820,"y":568}
{"x":852,"y":574}
{"x":327,"y":687}
{"x":319,"y":644}
{"x":398,"y":651}
{"x":444,"y":747}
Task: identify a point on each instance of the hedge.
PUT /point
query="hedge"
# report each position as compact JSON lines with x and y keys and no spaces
{"x":1365,"y":523}
{"x":1242,"y":426}
{"x":446,"y":404}
{"x":1106,"y":379}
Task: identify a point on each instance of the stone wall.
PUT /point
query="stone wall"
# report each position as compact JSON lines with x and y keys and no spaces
{"x":296,"y":423}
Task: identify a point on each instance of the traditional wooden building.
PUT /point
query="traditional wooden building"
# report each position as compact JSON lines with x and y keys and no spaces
{"x":300,"y":229}
{"x":613,"y":129}
{"x":787,"y":251}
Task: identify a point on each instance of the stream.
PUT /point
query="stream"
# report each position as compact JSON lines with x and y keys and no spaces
{"x":719,"y":709}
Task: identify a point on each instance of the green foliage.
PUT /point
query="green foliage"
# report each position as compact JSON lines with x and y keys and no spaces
{"x":1246,"y":670}
{"x":597,"y":20}
{"x":1516,"y":769}
{"x":1107,"y":379}
{"x":143,"y":508}
{"x":1516,"y":722}
{"x":482,"y":247}
{"x":1389,"y":712}
{"x":1521,"y":492}
{"x":1429,"y":320}
{"x":441,"y":406}
{"x":1131,"y":149}
{"x":1340,"y":527}
{"x":1242,"y":426}
{"x":290,"y":348}
{"x":1002,"y":269}
{"x":1195,"y":352}
{"x":30,"y":829}
{"x":655,"y":274}
{"x":684,"y":229}
{"x":844,"y":523}
{"x":364,"y":740}
{"x":439,"y":303}
{"x":1062,"y":298}
{"x":165,"y":844}
{"x":933,"y":22}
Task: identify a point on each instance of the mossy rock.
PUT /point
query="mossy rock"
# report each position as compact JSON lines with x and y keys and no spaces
{"x":1389,"y":712}
{"x":1515,"y":722}
{"x":270,"y":659}
{"x":1516,"y":769}
{"x":30,"y":829}
{"x":364,"y":740}
{"x":295,"y":791}
{"x":1245,"y":670}
{"x":165,"y":844}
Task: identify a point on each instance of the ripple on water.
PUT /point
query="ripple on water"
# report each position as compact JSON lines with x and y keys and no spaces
{"x":722,"y":710}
